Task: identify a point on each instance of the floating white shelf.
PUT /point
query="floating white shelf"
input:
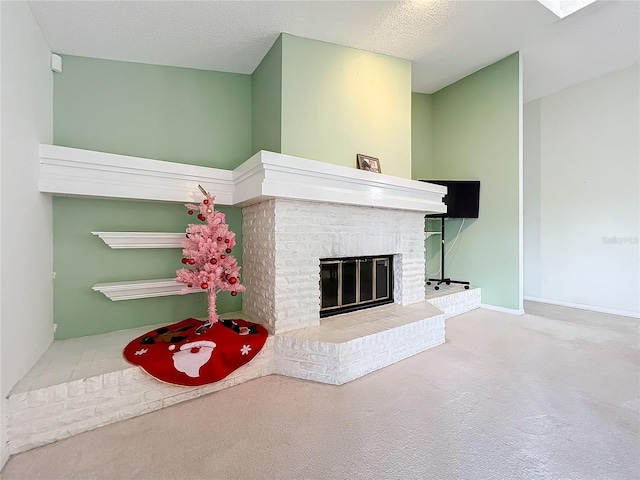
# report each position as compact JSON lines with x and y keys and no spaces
{"x":141,"y":239}
{"x":161,"y":287}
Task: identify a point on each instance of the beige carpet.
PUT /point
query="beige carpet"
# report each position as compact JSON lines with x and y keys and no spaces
{"x":506,"y":397}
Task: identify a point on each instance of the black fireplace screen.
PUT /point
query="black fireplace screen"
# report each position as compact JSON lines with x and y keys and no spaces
{"x":348,"y":284}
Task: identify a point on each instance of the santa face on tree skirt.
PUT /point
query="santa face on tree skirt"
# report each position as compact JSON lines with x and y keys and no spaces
{"x":193,"y":353}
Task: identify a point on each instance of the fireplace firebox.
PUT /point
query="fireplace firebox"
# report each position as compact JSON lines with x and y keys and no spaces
{"x":354,"y":283}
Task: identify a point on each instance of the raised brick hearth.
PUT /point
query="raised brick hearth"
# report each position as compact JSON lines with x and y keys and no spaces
{"x":84,"y":383}
{"x":295,"y":212}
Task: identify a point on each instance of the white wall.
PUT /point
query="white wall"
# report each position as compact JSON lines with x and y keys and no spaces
{"x":581,"y":201}
{"x":26,"y":238}
{"x":4,"y":450}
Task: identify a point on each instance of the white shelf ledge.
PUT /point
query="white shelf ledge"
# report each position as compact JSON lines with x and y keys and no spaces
{"x":266,"y":175}
{"x":141,"y":239}
{"x":71,"y":171}
{"x":162,"y":287}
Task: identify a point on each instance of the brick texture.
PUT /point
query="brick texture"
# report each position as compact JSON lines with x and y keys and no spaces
{"x":339,"y":363}
{"x":284,"y":240}
{"x":48,"y":414}
{"x":45,"y":415}
{"x":457,"y":303}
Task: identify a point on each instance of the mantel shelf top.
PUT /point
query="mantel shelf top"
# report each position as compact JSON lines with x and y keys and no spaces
{"x":266,"y":175}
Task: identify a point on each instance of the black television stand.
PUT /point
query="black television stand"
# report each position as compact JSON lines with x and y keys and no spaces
{"x":442,"y":278}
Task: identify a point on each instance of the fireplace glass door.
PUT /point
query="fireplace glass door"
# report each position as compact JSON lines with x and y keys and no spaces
{"x":348,"y":284}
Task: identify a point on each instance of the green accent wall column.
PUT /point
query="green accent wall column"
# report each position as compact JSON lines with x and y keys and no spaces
{"x":339,"y":101}
{"x":266,"y":101}
{"x":176,"y":114}
{"x":476,"y":135}
{"x":422,"y":168}
{"x":421,"y":136}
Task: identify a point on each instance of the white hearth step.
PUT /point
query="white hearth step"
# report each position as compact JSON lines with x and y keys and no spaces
{"x":349,"y":346}
{"x":454,"y":299}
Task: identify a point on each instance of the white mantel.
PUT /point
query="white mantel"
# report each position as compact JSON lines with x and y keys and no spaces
{"x":266,"y":175}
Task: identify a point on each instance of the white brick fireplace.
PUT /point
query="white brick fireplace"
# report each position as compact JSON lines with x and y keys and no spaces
{"x":284,"y":240}
{"x":295,"y":212}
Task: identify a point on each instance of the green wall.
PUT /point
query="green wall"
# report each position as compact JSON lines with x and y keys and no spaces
{"x":81,"y":260}
{"x":421,"y":135}
{"x":306,"y":98}
{"x":339,"y":101}
{"x":166,"y":113}
{"x":422,"y":168}
{"x":266,"y":89}
{"x":476,"y":135}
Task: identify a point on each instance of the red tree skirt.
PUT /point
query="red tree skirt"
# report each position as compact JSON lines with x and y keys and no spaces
{"x":186,"y":353}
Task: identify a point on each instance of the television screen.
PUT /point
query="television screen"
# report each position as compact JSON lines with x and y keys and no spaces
{"x":462,"y":198}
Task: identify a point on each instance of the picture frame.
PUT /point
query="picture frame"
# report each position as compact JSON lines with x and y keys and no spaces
{"x":370,"y":164}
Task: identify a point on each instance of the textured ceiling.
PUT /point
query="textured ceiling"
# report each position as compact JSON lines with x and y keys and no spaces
{"x":445,"y":40}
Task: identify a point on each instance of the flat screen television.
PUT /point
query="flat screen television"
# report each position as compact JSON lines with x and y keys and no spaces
{"x":462,"y":198}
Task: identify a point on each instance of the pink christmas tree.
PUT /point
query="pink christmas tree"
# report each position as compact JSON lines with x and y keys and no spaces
{"x":207,"y":254}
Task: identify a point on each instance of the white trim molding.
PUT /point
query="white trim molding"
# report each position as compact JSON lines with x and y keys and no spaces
{"x":266,"y":175}
{"x":141,"y":239}
{"x":130,"y":290}
{"x":496,"y":308}
{"x":520,"y":183}
{"x":71,"y":171}
{"x":580,"y":306}
{"x":269,"y":175}
{"x":4,"y":456}
{"x":5,"y":450}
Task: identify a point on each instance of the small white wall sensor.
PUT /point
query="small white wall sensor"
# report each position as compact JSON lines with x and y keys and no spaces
{"x":56,"y":63}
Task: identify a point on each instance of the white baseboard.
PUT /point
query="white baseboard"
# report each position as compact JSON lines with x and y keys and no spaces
{"x":593,"y":308}
{"x":4,"y":439}
{"x":4,"y":455}
{"x":512,"y":311}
